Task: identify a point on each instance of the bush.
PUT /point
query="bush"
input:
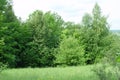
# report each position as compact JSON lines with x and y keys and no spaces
{"x":70,"y":52}
{"x":109,"y":69}
{"x":107,"y":72}
{"x":2,"y":67}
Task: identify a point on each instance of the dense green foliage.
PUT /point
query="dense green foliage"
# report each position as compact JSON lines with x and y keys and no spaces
{"x":70,"y":52}
{"x":109,"y":68}
{"x":93,"y":35}
{"x":45,"y":39}
{"x":8,"y":29}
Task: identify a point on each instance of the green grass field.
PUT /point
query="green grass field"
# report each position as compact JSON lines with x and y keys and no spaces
{"x":60,"y":73}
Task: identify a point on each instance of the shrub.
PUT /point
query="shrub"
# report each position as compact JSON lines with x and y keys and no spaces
{"x":70,"y":52}
{"x":2,"y":67}
{"x":109,"y":69}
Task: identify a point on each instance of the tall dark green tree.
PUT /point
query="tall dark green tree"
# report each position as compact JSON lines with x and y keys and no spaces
{"x":1,"y":48}
{"x":9,"y":26}
{"x":53,"y":23}
{"x":45,"y":32}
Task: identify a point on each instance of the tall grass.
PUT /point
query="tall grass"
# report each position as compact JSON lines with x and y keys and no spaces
{"x":66,"y":73}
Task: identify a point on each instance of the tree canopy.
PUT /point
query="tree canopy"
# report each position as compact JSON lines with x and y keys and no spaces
{"x":45,"y":39}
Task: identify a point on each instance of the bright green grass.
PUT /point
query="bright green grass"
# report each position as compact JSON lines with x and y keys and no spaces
{"x":66,"y":73}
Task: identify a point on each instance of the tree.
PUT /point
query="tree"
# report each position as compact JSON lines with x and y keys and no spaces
{"x":70,"y":29}
{"x":54,"y":23}
{"x":45,"y":32}
{"x":2,"y":66}
{"x":1,"y":48}
{"x":109,"y":68}
{"x":93,"y":35}
{"x":9,"y":30}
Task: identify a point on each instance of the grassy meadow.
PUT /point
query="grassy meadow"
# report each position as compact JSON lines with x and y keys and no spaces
{"x":59,"y":73}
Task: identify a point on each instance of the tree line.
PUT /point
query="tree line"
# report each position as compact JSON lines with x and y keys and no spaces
{"x":46,"y":40}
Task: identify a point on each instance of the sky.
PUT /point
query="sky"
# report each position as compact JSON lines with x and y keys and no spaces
{"x":70,"y":10}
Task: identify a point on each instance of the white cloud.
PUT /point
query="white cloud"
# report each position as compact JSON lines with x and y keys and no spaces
{"x":70,"y":10}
